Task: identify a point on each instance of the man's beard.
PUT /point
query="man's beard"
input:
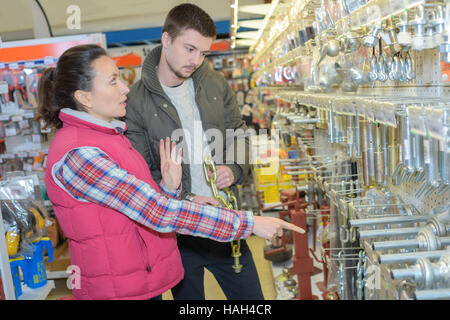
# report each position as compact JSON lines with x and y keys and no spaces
{"x":178,"y":73}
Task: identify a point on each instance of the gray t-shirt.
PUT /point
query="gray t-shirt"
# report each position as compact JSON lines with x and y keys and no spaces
{"x":183,"y":98}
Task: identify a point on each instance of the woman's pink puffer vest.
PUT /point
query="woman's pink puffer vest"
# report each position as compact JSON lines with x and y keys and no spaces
{"x":117,"y":258}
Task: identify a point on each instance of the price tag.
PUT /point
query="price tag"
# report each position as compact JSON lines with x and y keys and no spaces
{"x":369,"y":39}
{"x":358,"y":19}
{"x":16,"y":118}
{"x":340,"y":108}
{"x":349,"y":135}
{"x":24,"y":124}
{"x":4,"y":117}
{"x":373,"y":13}
{"x":8,"y":156}
{"x":380,"y":116}
{"x":352,"y":108}
{"x":417,"y":124}
{"x":10,"y":131}
{"x":435,"y":128}
{"x":442,"y":145}
{"x":48,"y":61}
{"x":22,"y":154}
{"x":406,"y":149}
{"x":397,"y":5}
{"x":385,"y":36}
{"x":29,"y":64}
{"x":2,"y":65}
{"x":348,"y":106}
{"x":36,"y":138}
{"x":3,"y":87}
{"x":389,"y":116}
{"x":370,"y":114}
{"x":13,"y":65}
{"x":426,"y":151}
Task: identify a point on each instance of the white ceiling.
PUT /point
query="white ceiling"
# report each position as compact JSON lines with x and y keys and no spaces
{"x":16,"y":22}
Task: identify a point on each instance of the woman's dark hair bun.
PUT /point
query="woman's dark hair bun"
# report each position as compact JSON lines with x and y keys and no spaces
{"x":51,"y":75}
{"x":57,"y":86}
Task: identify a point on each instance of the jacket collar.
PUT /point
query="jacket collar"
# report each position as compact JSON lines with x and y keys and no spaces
{"x":82,"y":119}
{"x":150,"y":77}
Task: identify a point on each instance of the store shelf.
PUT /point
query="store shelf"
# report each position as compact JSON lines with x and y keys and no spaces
{"x":363,"y":138}
{"x":266,"y":27}
{"x":289,"y":58}
{"x":37,"y":294}
{"x":374,"y":108}
{"x":372,"y":13}
{"x":376,"y":11}
{"x":57,"y":275}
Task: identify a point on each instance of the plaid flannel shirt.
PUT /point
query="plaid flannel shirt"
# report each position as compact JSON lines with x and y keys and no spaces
{"x":88,"y":174}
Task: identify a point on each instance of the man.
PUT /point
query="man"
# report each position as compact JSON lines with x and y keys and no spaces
{"x":177,"y":91}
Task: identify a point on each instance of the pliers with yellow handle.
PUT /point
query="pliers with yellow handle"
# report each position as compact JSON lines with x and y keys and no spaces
{"x":12,"y":242}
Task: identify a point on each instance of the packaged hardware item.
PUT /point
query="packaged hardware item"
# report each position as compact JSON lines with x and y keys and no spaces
{"x":24,"y":215}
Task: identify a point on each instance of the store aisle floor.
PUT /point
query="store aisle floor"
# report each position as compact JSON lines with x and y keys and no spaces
{"x":263,"y":266}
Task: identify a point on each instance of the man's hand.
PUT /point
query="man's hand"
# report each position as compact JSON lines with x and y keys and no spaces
{"x":206,"y":200}
{"x":170,"y":164}
{"x":225,"y":177}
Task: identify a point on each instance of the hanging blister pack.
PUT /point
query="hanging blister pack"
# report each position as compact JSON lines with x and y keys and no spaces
{"x":24,"y":215}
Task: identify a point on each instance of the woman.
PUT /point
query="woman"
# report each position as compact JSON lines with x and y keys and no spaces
{"x":119,"y":222}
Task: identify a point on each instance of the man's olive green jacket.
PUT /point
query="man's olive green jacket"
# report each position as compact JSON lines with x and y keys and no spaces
{"x":151,"y":116}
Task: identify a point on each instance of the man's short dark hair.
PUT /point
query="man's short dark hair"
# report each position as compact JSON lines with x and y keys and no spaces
{"x":189,"y":16}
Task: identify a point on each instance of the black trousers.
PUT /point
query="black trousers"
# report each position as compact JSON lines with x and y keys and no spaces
{"x":200,"y":253}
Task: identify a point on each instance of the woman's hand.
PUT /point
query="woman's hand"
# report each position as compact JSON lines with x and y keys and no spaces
{"x":206,"y":200}
{"x":269,"y":227}
{"x":170,"y":163}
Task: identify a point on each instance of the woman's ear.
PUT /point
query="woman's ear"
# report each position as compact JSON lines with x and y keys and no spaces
{"x":83,"y":98}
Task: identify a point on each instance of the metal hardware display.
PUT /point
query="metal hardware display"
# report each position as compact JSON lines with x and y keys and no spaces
{"x":370,"y":114}
{"x":425,"y":273}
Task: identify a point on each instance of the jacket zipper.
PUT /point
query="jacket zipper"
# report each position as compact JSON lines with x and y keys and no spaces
{"x":144,"y":250}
